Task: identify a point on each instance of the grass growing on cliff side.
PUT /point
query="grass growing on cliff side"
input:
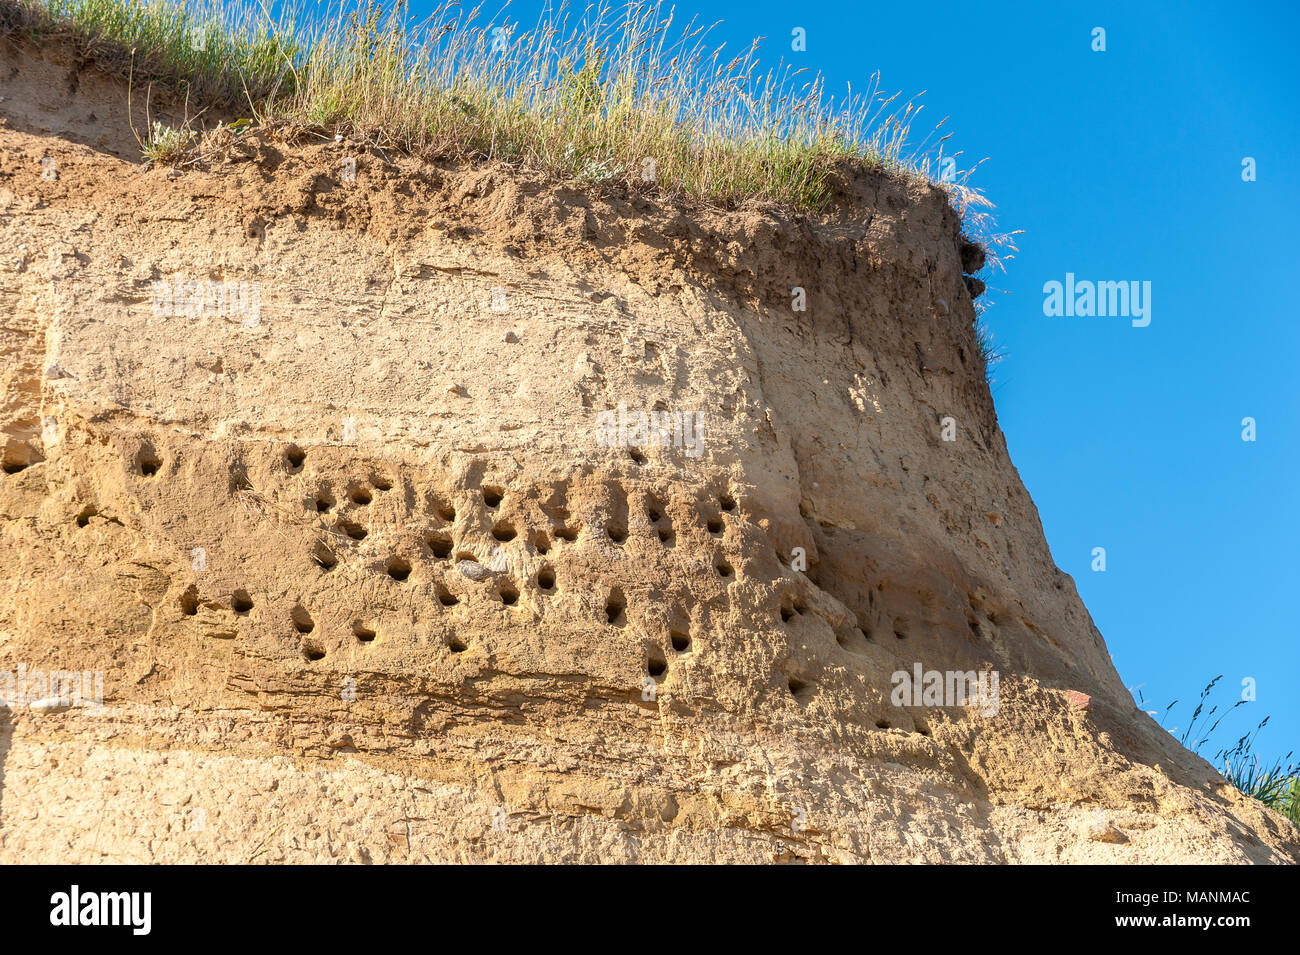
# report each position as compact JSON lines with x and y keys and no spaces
{"x":603,"y":94}
{"x":1276,"y":785}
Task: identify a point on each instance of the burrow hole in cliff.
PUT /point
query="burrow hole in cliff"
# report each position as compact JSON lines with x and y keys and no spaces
{"x":312,"y":651}
{"x":680,"y":639}
{"x":617,"y":532}
{"x":324,"y":500}
{"x":616,"y":607}
{"x":399,"y":568}
{"x":492,"y":496}
{"x":190,"y":601}
{"x":19,"y":456}
{"x":727,"y":502}
{"x":546,"y":579}
{"x":239,"y":479}
{"x":352,"y":529}
{"x":240,"y":601}
{"x":566,"y":534}
{"x":800,"y":689}
{"x":147,"y":461}
{"x":508,"y":593}
{"x":445,"y":596}
{"x":659,"y":521}
{"x":714,"y":525}
{"x":636,"y":456}
{"x":791,"y":609}
{"x":504,"y":531}
{"x":455,"y":644}
{"x":882,"y":724}
{"x":656,"y":664}
{"x":440,"y":544}
{"x":301,"y":619}
{"x":363,"y":633}
{"x":323,"y":556}
{"x":380,"y":483}
{"x":724,"y":569}
{"x":359,"y":494}
{"x":444,"y":511}
{"x":294,"y":456}
{"x":86,"y":514}
{"x":541,"y":542}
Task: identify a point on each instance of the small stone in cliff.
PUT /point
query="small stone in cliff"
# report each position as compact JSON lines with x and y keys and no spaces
{"x":1106,"y":832}
{"x":1079,"y":701}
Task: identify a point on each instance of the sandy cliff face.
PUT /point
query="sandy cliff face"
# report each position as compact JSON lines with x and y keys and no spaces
{"x":329,"y":461}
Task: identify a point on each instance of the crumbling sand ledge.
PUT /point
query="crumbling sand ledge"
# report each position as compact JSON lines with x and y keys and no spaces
{"x":431,"y":349}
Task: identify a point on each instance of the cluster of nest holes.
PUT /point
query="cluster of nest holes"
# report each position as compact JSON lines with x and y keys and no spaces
{"x":312,"y":649}
{"x":656,"y":663}
{"x":241,"y":602}
{"x":441,"y":544}
{"x":794,"y":607}
{"x":658,"y":519}
{"x":791,"y":609}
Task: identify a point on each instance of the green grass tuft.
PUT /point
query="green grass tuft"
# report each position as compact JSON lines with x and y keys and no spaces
{"x":1276,"y":785}
{"x":166,"y":143}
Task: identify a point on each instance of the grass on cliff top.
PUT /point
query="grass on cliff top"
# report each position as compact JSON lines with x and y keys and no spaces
{"x":598,"y":95}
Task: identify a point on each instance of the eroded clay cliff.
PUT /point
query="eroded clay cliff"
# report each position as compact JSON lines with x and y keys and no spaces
{"x":303,"y":452}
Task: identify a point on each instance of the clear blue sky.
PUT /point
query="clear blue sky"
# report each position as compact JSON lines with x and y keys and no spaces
{"x":1127,"y":165}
